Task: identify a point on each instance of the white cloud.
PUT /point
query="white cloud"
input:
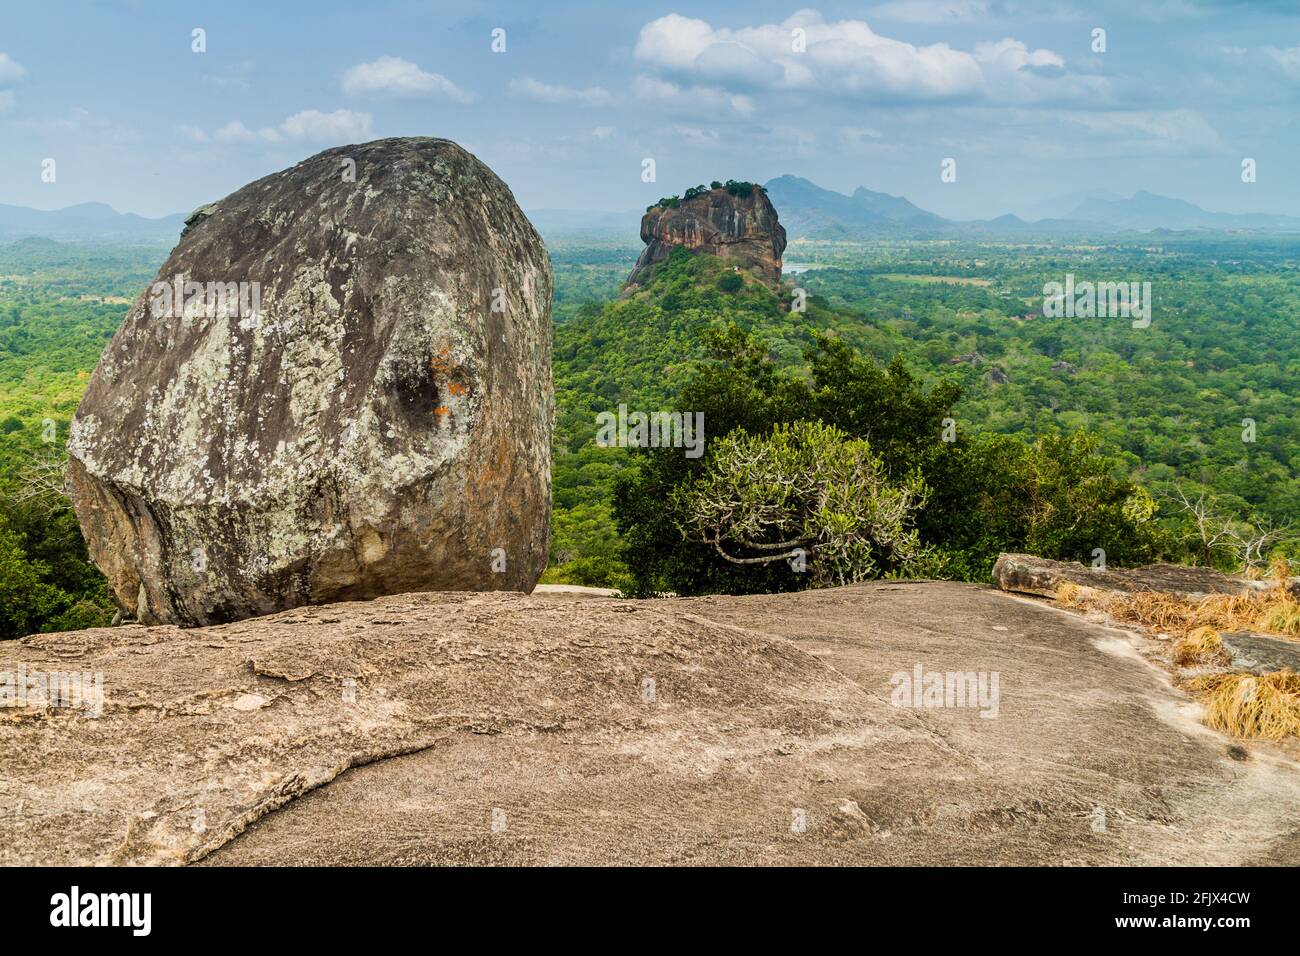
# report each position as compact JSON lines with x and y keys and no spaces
{"x":1009,"y":54}
{"x":848,"y":58}
{"x":932,"y":11}
{"x":538,"y":92}
{"x":10,"y":70}
{"x":694,"y":136}
{"x":237,"y":133}
{"x":315,"y":125}
{"x":602,"y":132}
{"x":1288,"y":60}
{"x":693,"y":99}
{"x":311,"y":125}
{"x":1142,"y":132}
{"x":393,"y":76}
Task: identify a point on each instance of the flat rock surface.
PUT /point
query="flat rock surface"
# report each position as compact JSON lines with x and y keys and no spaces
{"x":499,"y":728}
{"x":1261,"y":653}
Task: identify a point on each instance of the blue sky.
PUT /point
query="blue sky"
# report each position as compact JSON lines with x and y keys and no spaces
{"x":879,"y":95}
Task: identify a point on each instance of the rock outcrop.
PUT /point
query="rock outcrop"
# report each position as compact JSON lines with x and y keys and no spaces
{"x":338,"y":388}
{"x":742,"y":229}
{"x":765,"y":729}
{"x":1028,"y":574}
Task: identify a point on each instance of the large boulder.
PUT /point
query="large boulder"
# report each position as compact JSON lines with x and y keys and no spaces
{"x":737,"y":226}
{"x":369,"y":413}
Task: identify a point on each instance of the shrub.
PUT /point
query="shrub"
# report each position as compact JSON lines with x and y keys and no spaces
{"x":806,"y":494}
{"x":1058,"y":497}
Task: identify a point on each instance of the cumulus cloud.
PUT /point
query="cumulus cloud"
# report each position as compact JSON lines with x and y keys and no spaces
{"x":846,"y":57}
{"x":315,"y":125}
{"x":393,"y":76}
{"x":1013,"y":55}
{"x":690,"y":99}
{"x":528,"y":88}
{"x":10,"y":70}
{"x":308,"y":125}
{"x":236,"y":133}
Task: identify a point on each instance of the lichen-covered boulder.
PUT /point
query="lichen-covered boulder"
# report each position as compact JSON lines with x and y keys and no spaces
{"x":338,"y":387}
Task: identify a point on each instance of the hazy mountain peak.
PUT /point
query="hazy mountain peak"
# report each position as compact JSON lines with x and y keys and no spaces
{"x":85,"y":221}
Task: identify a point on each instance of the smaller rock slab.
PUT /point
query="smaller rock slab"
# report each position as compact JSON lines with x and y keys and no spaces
{"x":1028,"y":574}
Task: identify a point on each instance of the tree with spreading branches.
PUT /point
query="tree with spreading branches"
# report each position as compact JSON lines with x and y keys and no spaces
{"x":805,"y":493}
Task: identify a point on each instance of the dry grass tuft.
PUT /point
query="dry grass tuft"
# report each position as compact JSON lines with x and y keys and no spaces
{"x":1271,"y":611}
{"x":1201,"y":646}
{"x":1265,"y":706}
{"x":1067,"y":592}
{"x":1282,"y":618}
{"x":1245,"y":705}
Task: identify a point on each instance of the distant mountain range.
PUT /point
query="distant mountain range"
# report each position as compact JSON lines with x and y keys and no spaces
{"x":1145,"y":211}
{"x":811,"y":212}
{"x":90,"y":221}
{"x":807,"y":211}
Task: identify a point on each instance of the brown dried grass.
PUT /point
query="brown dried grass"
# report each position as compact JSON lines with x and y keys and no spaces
{"x":1269,"y":611}
{"x":1202,"y":646}
{"x":1266,"y":706}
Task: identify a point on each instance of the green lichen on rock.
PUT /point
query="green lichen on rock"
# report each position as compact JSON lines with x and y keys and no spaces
{"x":376,"y":424}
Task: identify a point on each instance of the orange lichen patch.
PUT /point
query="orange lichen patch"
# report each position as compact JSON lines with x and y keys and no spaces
{"x":456,"y":388}
{"x":441,"y":363}
{"x":441,"y":410}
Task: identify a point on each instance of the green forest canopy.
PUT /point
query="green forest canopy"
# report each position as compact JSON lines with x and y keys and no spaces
{"x":1164,"y":405}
